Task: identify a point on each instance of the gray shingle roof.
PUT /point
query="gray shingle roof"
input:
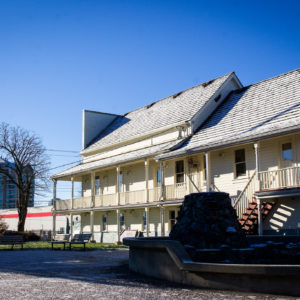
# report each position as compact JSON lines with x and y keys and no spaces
{"x":263,"y":109}
{"x":180,"y":107}
{"x":115,"y":160}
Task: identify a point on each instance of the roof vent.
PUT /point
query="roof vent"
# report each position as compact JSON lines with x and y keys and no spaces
{"x":176,"y":95}
{"x":205,"y":84}
{"x":149,"y":105}
{"x":217,"y":98}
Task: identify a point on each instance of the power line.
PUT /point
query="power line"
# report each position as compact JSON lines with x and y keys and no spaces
{"x":72,"y":163}
{"x":63,"y":155}
{"x":59,"y":150}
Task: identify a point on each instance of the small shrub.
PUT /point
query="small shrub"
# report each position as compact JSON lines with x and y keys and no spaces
{"x":27,"y":236}
{"x":30,"y":236}
{"x":3,"y":227}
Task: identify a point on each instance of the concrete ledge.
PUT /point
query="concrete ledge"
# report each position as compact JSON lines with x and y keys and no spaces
{"x":167,"y":259}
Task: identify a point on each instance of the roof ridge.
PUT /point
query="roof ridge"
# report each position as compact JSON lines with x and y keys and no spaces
{"x":178,"y":93}
{"x":271,"y":78}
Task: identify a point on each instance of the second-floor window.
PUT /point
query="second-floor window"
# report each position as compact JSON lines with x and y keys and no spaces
{"x":240,"y":162}
{"x":121,"y":182}
{"x":287,"y":152}
{"x":97,"y":185}
{"x":179,"y":169}
{"x":158,"y":177}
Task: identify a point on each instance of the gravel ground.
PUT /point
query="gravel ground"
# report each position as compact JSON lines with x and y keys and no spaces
{"x":101,"y":274}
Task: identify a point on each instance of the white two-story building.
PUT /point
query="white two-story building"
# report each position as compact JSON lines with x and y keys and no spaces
{"x":137,"y":168}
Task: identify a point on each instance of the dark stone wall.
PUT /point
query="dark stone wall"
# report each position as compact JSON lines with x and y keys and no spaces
{"x":208,"y":221}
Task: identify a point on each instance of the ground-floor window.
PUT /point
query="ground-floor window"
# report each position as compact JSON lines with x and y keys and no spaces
{"x":172,"y":219}
{"x":122,"y":221}
{"x":144,"y":222}
{"x":104,"y":223}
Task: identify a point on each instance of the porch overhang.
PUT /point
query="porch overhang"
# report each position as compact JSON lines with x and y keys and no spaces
{"x":278,"y":193}
{"x":114,"y":160}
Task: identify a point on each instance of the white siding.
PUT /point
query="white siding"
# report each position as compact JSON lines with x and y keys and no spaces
{"x":222,"y":169}
{"x":148,"y":142}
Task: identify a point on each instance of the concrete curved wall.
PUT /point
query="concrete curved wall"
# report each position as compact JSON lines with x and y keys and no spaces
{"x":167,"y":259}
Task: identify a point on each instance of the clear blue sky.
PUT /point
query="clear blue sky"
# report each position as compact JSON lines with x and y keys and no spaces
{"x":59,"y":57}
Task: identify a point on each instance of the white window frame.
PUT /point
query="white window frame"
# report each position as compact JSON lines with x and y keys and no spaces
{"x":242,"y":162}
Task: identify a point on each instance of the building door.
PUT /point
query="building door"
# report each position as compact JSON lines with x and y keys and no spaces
{"x":286,"y":174}
{"x":194,"y":176}
{"x":286,"y":156}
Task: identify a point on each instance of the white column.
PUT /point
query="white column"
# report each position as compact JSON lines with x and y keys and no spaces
{"x":54,"y":226}
{"x":162,"y":182}
{"x":92,"y":224}
{"x":92,"y":189}
{"x":71,"y":223}
{"x":54,"y":193}
{"x":186,"y":175}
{"x":259,"y":217}
{"x":256,"y":147}
{"x":146,"y":180}
{"x":162,"y":220}
{"x":208,"y":176}
{"x":118,"y":186}
{"x":147,"y":221}
{"x":118,"y":225}
{"x":72,"y":196}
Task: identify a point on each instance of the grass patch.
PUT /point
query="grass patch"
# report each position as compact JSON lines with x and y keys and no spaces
{"x":46,"y":245}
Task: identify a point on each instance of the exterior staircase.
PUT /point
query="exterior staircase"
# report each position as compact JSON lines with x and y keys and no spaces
{"x":249,"y":218}
{"x":246,"y":207}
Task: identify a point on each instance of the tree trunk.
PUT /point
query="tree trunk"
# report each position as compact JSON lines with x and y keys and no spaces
{"x":22,"y":211}
{"x":22,"y":219}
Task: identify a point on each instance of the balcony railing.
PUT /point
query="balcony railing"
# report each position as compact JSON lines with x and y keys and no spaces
{"x":132,"y":197}
{"x":63,"y":204}
{"x":154,"y":194}
{"x":279,"y":179}
{"x":105,"y":200}
{"x":84,"y":202}
{"x":176,"y":191}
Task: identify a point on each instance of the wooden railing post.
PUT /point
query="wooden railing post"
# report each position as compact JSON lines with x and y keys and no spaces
{"x":54,"y":226}
{"x":162,"y":182}
{"x":92,"y":189}
{"x":208,"y":172}
{"x":118,"y":186}
{"x":118,"y":225}
{"x":72,"y":193}
{"x":186,"y":176}
{"x":162,"y":220}
{"x":256,"y":148}
{"x":147,"y":221}
{"x":146,"y":180}
{"x":259,"y":220}
{"x":92,"y":224}
{"x":54,"y":193}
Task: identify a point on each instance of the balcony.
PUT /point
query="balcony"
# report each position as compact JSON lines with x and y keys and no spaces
{"x":176,"y":191}
{"x":280,"y":179}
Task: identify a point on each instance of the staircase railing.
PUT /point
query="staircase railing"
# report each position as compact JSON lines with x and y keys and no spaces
{"x":242,"y":202}
{"x":214,"y":188}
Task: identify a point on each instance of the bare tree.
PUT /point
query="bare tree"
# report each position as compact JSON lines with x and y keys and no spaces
{"x":29,"y":166}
